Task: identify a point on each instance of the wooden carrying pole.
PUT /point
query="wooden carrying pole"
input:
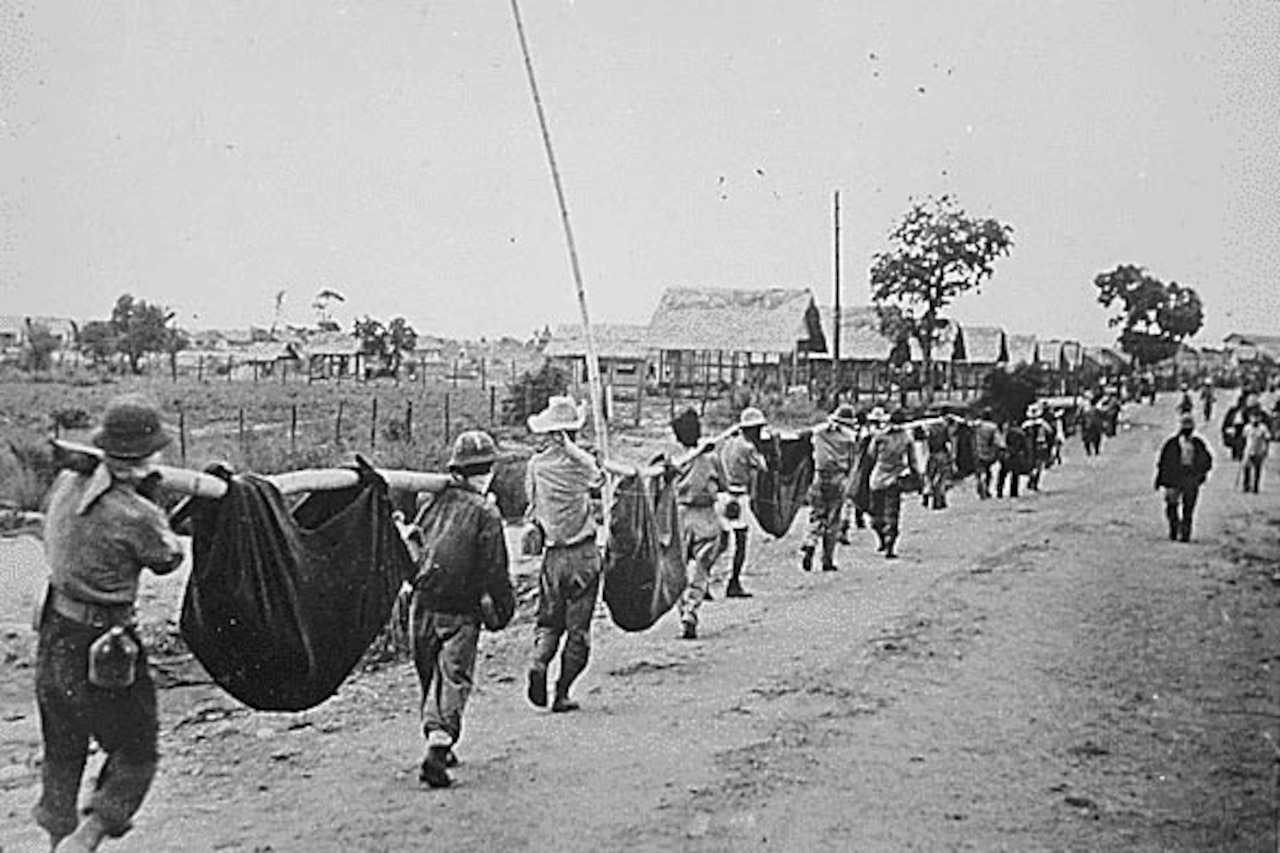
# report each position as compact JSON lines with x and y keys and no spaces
{"x":593,"y":363}
{"x":201,"y":485}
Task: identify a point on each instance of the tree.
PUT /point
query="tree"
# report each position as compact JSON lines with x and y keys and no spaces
{"x":41,"y":345}
{"x":323,"y":301}
{"x":98,"y":341}
{"x":1154,"y":317}
{"x":140,"y":328}
{"x":401,"y":339}
{"x":936,"y":253}
{"x":387,"y":343}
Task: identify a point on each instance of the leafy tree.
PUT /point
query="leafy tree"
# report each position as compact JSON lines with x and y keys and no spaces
{"x":41,"y":345}
{"x":936,"y":253}
{"x":140,"y":328}
{"x":1154,"y":317}
{"x":401,"y":340}
{"x":98,"y":341}
{"x":387,"y":343}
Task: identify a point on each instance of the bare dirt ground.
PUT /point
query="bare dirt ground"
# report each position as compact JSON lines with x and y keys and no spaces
{"x":1046,"y":673}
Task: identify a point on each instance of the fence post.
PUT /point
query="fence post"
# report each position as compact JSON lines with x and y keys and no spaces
{"x":230,"y":366}
{"x":373,"y":426}
{"x":455,"y":371}
{"x":241,"y":428}
{"x":493,"y":406}
{"x":293,"y":428}
{"x":200,"y":369}
{"x":182,"y":436}
{"x":484,"y":378}
{"x":446,"y":418}
{"x":408,"y":421}
{"x":337,"y":425}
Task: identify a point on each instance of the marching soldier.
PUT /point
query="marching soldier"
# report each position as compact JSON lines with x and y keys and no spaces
{"x":742,"y":458}
{"x":833,"y":460}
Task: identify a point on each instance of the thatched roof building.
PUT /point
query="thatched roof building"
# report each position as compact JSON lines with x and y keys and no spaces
{"x":612,"y":341}
{"x":775,"y":321}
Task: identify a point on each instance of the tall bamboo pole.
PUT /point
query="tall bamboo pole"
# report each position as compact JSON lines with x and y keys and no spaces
{"x":835,"y":326}
{"x":593,"y":363}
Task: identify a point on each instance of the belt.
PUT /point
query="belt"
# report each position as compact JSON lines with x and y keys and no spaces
{"x":95,"y":615}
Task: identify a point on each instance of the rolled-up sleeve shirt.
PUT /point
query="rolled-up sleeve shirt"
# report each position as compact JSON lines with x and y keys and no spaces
{"x":559,"y":484}
{"x":741,"y":460}
{"x":100,"y":534}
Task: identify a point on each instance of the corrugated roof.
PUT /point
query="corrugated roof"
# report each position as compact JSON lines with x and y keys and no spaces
{"x":982,"y":345}
{"x":612,"y":340}
{"x":754,"y":321}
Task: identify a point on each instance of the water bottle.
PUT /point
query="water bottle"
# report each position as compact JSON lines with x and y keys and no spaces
{"x":113,"y":659}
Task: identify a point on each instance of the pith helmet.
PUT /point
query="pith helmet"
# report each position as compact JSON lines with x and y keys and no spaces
{"x":751,"y":417}
{"x":473,"y":449}
{"x":844,"y":416}
{"x":878,"y":415}
{"x":131,"y":428}
{"x":561,"y":413}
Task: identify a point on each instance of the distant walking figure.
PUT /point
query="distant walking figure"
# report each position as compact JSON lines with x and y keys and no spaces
{"x":1257,"y":438}
{"x":1184,"y":464}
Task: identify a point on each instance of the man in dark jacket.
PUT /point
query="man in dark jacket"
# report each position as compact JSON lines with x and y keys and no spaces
{"x":462,"y":583}
{"x":1184,"y":463}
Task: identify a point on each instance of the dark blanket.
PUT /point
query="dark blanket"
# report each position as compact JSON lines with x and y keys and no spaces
{"x":281,"y":606}
{"x":643,"y":564}
{"x":963,"y":454}
{"x":783,"y":487}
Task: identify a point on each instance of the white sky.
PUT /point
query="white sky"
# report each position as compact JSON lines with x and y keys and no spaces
{"x":206,"y":155}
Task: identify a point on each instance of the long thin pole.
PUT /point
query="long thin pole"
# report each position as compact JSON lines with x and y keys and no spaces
{"x":835,"y":326}
{"x":593,"y":363}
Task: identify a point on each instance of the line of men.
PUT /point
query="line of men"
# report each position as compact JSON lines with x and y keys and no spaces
{"x":102,"y":529}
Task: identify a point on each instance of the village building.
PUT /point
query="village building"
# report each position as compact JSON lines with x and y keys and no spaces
{"x":763,"y":339}
{"x":622,"y":352}
{"x":1022,"y":349}
{"x":976,"y":351}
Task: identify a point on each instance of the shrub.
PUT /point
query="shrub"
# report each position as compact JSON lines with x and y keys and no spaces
{"x":531,"y":391}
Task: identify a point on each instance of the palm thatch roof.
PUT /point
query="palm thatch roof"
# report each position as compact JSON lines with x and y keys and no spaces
{"x":1023,"y":349}
{"x":333,"y":344}
{"x":270,"y":352}
{"x":860,"y":338}
{"x":612,"y":340}
{"x":776,"y":320}
{"x":981,"y":345}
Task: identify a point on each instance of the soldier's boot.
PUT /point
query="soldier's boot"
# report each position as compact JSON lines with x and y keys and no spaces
{"x":806,"y":559}
{"x":889,"y":542}
{"x":433,"y":770}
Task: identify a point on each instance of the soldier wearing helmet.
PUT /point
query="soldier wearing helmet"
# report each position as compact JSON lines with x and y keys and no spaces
{"x":462,"y":584}
{"x":834,"y":446}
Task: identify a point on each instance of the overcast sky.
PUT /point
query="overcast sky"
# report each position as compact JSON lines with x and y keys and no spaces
{"x":207,"y":155}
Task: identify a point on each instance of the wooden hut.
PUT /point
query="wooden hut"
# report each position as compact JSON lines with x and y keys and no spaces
{"x":271,"y":358}
{"x":622,"y":351}
{"x":334,"y":355}
{"x":865,"y":355}
{"x":723,"y":338}
{"x":977,"y":351}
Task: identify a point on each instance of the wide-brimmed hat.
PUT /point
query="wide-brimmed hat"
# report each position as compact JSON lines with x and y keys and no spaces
{"x":1035,"y":410}
{"x":844,"y":416}
{"x":878,"y":415}
{"x":751,"y":417}
{"x":561,"y":413}
{"x":473,"y":449}
{"x":1187,"y":420}
{"x":131,"y":428}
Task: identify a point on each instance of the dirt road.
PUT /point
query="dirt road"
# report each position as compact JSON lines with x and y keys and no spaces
{"x":1046,"y":673}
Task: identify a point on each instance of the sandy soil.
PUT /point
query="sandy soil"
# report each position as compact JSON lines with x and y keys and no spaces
{"x":1047,"y":673}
